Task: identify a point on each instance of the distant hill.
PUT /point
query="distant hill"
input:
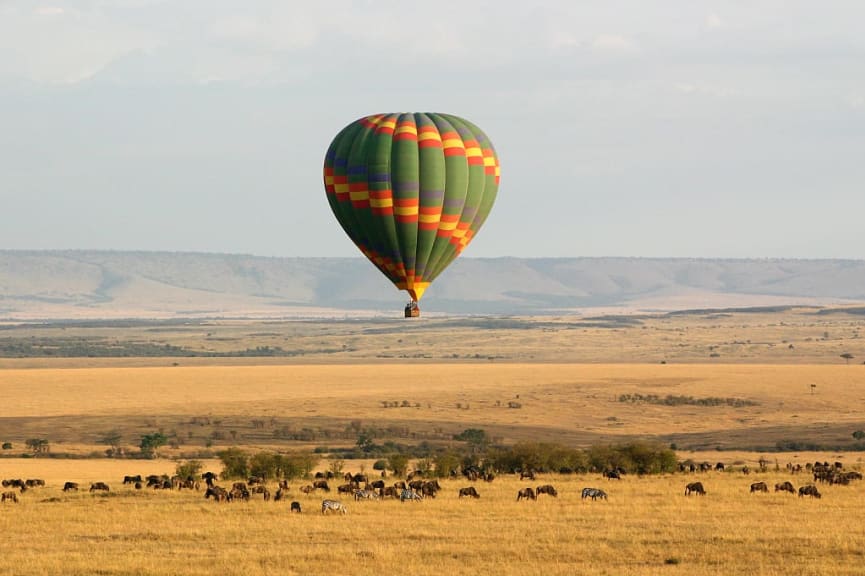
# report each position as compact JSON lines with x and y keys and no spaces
{"x":94,"y":284}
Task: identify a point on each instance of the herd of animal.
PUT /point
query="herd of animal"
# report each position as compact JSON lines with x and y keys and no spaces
{"x":359,"y":487}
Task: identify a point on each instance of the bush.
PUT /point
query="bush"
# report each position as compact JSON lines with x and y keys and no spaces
{"x":858,"y":435}
{"x":379,"y":465}
{"x":189,"y":468}
{"x":7,"y":445}
{"x":234,"y":463}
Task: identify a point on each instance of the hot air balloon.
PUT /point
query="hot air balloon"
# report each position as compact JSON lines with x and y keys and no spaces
{"x":411,"y":190}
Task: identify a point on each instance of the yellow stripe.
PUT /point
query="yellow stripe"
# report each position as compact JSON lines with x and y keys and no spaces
{"x":427,"y":218}
{"x":380,"y":203}
{"x":328,"y":180}
{"x":447,"y":225}
{"x":429,"y":136}
{"x":405,"y":210}
{"x":489,"y":161}
{"x":459,"y":233}
{"x":474,"y":151}
{"x":388,"y":124}
{"x":453,"y":143}
{"x":341,"y":188}
{"x":406,"y":130}
{"x":359,"y":195}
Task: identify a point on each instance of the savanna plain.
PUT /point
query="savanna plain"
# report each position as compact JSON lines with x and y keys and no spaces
{"x":779,"y":386}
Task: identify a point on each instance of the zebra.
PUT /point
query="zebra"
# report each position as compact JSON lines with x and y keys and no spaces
{"x":409,"y":494}
{"x":334,"y":506}
{"x":593,"y":493}
{"x":365,"y":495}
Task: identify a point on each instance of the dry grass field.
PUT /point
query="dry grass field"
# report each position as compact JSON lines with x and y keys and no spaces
{"x":648,"y":526}
{"x":744,"y":382}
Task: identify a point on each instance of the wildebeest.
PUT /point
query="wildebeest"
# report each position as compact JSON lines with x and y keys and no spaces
{"x":593,"y":493}
{"x":209,"y":477}
{"x":295,"y":507}
{"x":132,"y":479}
{"x":785,"y":487}
{"x":612,"y":475}
{"x":377,"y":484}
{"x":546,"y":489}
{"x":15,"y":483}
{"x":470,"y":491}
{"x":399,"y":485}
{"x":70,"y":486}
{"x":809,"y":490}
{"x":11,"y":496}
{"x":390,"y":491}
{"x":759,"y":487}
{"x":321,"y":485}
{"x":99,"y":486}
{"x":695,"y":488}
{"x":253,"y":480}
{"x":218,"y":493}
{"x":719,"y":467}
{"x":34,"y":482}
{"x":528,"y":493}
{"x":527,"y":474}
{"x":345,"y":488}
{"x":333,"y":506}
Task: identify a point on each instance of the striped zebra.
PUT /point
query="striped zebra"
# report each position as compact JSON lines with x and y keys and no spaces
{"x":593,"y":493}
{"x":334,"y":506}
{"x":409,"y":494}
{"x":365,"y":495}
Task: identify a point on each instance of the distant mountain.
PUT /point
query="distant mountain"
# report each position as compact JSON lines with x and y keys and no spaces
{"x":94,"y":284}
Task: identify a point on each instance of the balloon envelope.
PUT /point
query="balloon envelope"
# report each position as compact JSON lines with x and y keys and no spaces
{"x":411,"y":190}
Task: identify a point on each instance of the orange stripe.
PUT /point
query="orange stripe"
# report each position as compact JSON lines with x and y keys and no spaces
{"x":406,"y":202}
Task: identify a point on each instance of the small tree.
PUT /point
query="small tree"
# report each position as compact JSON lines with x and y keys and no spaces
{"x":234,"y":463}
{"x":847,"y":357}
{"x":398,"y":463}
{"x":7,"y":445}
{"x":38,"y":445}
{"x":112,"y":439}
{"x":476,"y":438}
{"x":190,"y":468}
{"x":150,"y":443}
{"x":336,"y":465}
{"x":859,"y":434}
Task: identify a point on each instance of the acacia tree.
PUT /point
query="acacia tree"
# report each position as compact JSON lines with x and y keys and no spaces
{"x":847,"y":357}
{"x":152,"y":442}
{"x":38,"y":445}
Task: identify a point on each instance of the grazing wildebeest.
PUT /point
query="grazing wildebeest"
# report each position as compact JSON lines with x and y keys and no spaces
{"x":759,"y":487}
{"x":333,"y":506}
{"x":409,"y":494}
{"x":416,"y":484}
{"x":809,"y":490}
{"x":218,"y":493}
{"x":208,"y":478}
{"x":138,"y":486}
{"x":70,"y":486}
{"x":785,"y":487}
{"x":399,"y":485}
{"x":34,"y":482}
{"x":253,"y":480}
{"x":99,"y":486}
{"x":527,"y":493}
{"x":377,"y":484}
{"x":695,"y":488}
{"x":546,"y":489}
{"x":593,"y":493}
{"x":390,"y":491}
{"x":132,"y":479}
{"x":11,"y":496}
{"x":306,"y":489}
{"x":612,"y":475}
{"x":295,"y":507}
{"x":16,"y":483}
{"x":321,"y":485}
{"x":345,"y":488}
{"x":719,"y":466}
{"x":527,"y":474}
{"x":470,"y":491}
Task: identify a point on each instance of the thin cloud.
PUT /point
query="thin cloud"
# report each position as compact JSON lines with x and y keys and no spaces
{"x":714,"y":21}
{"x":612,"y":43}
{"x":50,"y":11}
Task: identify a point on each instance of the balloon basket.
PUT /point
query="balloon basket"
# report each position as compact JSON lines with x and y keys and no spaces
{"x":412,"y":310}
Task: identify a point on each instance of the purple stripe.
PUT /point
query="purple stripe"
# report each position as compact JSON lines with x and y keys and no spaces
{"x":431,"y":196}
{"x":401,"y":187}
{"x":453,"y":205}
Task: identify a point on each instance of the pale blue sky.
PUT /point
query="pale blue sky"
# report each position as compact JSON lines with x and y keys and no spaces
{"x":625,"y":128}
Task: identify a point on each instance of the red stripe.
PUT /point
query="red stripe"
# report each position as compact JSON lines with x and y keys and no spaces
{"x":406,"y":219}
{"x":384,"y":130}
{"x":490,"y":170}
{"x":431,"y":143}
{"x":380,"y":194}
{"x":444,"y":233}
{"x":430,"y":210}
{"x":406,"y":202}
{"x":343,"y":179}
{"x":383,"y":211}
{"x":329,"y":188}
{"x":450,"y":217}
{"x":360,"y":203}
{"x":357,"y":186}
{"x":455,"y":151}
{"x":405,"y":136}
{"x":328,"y":170}
{"x":428,"y":226}
{"x":476,"y":160}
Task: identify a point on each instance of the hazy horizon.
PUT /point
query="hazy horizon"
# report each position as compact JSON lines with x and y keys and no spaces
{"x":688,"y":129}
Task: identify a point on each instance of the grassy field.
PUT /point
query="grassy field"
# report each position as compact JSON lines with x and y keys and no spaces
{"x":647,"y":526}
{"x":718,"y":386}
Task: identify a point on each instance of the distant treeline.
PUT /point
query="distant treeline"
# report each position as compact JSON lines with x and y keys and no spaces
{"x":678,"y":400}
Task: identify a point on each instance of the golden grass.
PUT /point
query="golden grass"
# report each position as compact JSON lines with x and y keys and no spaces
{"x":647,"y":527}
{"x":569,"y":403}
